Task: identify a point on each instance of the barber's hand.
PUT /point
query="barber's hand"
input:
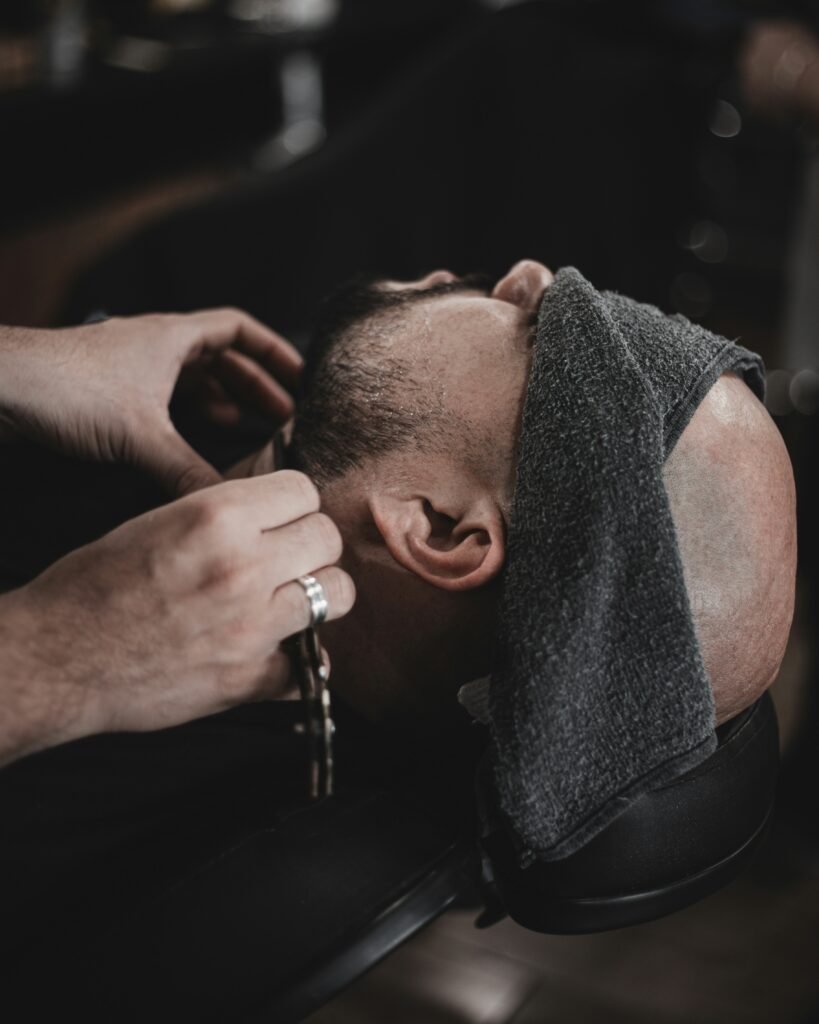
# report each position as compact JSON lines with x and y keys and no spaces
{"x":101,"y":391}
{"x":176,"y":614}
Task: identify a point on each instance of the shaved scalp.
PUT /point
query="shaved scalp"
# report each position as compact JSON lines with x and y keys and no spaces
{"x":731,"y":491}
{"x":729,"y":479}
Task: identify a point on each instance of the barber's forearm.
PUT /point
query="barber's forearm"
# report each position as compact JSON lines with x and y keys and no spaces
{"x":40,"y":705}
{"x":19,"y":382}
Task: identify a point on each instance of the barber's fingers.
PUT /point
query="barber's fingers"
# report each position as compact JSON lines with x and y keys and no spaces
{"x":174,"y":463}
{"x":270,"y":350}
{"x":240,"y":515}
{"x":251,"y":386}
{"x":291,"y":608}
{"x":232,"y":328}
{"x":266,"y":503}
{"x":300,"y":547}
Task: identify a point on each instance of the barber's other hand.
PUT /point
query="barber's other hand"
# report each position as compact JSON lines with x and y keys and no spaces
{"x":101,"y":391}
{"x":174,"y":615}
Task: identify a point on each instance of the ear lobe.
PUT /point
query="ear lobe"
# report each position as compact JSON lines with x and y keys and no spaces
{"x":453,"y":553}
{"x":524,"y":285}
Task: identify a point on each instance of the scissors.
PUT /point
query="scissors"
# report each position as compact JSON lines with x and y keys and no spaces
{"x":312,"y":673}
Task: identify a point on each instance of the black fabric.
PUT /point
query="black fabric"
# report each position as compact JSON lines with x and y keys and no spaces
{"x":89,"y":830}
{"x":599,"y":691}
{"x":92,"y":831}
{"x":267,"y":928}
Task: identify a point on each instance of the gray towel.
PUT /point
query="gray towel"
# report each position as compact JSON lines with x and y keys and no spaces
{"x":599,"y":691}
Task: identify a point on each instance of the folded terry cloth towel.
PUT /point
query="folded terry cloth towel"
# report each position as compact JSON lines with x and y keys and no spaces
{"x":599,"y":691}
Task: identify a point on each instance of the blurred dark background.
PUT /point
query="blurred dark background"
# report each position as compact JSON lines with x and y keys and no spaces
{"x":173,"y":154}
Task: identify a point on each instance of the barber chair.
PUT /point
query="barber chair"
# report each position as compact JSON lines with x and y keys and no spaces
{"x":273,"y":928}
{"x":671,"y":847}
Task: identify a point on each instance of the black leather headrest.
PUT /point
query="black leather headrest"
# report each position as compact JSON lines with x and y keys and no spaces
{"x":673,"y":846}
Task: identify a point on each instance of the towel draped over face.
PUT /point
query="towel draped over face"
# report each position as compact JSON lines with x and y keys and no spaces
{"x":599,"y":692}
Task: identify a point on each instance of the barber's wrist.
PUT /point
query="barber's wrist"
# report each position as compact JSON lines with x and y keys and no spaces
{"x":41,"y":703}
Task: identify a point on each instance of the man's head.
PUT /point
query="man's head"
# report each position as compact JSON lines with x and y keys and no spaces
{"x":410,"y":425}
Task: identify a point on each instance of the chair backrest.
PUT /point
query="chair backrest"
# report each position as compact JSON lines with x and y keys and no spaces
{"x":672,"y":847}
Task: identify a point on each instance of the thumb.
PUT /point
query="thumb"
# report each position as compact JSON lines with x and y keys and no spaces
{"x":176,"y":465}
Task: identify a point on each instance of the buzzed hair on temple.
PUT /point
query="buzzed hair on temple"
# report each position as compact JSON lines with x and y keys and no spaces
{"x":360,"y":397}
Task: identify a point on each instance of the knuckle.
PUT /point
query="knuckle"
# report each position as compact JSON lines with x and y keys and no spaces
{"x":214,"y":537}
{"x":304,"y":492}
{"x":214,"y":517}
{"x":205,"y":518}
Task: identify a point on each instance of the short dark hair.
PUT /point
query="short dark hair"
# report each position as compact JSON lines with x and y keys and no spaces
{"x":360,"y":398}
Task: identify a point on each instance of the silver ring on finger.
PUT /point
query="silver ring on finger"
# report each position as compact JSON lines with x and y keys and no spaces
{"x":316,"y":598}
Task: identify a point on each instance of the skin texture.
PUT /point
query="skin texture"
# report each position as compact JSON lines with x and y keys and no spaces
{"x":730,"y":485}
{"x":173,"y":615}
{"x":179,"y":613}
{"x":425,"y":529}
{"x":101,"y":391}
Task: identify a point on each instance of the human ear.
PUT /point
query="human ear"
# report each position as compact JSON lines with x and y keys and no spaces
{"x":524,"y":285}
{"x":453,"y":548}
